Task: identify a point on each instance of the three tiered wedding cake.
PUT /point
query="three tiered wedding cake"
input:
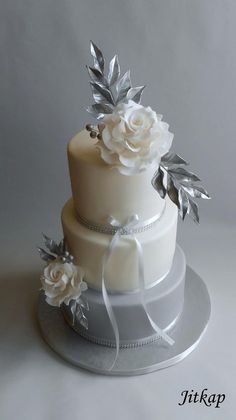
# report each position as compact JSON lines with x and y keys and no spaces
{"x":118,"y":276}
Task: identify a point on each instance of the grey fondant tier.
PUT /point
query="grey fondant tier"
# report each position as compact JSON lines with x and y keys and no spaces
{"x":131,"y":361}
{"x":164,"y":302}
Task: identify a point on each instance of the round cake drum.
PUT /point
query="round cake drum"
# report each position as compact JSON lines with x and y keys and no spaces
{"x":131,"y":361}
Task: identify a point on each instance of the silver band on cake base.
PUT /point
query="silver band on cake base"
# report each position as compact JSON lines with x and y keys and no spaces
{"x":122,"y":345}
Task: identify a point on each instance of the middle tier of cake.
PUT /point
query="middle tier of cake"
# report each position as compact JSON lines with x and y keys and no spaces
{"x":121,"y":274}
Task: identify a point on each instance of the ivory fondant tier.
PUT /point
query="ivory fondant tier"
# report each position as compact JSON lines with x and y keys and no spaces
{"x":88,"y":248}
{"x":100,"y":191}
{"x":163,"y":301}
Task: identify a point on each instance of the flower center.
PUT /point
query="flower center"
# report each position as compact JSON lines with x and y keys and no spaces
{"x":57,"y":274}
{"x":137,"y":121}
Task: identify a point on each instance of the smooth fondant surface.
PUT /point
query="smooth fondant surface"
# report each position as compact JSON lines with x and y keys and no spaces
{"x":88,"y":248}
{"x":131,"y":361}
{"x":100,"y":191}
{"x":164,"y":302}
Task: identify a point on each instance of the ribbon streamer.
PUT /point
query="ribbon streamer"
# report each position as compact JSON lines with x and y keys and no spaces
{"x":127,"y":229}
{"x":162,"y":333}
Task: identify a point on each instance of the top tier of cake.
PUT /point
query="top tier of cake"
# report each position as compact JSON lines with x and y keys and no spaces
{"x":100,"y":191}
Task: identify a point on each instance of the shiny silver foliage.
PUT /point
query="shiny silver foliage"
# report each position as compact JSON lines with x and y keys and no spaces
{"x":55,"y":250}
{"x":77,"y":309}
{"x":109,"y":89}
{"x":179,"y":184}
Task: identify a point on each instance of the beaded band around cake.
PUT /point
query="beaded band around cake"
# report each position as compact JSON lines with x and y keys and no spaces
{"x":109,"y":229}
{"x":112,"y":344}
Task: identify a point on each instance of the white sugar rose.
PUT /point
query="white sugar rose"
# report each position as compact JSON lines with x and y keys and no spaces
{"x":62,"y":282}
{"x":133,"y":138}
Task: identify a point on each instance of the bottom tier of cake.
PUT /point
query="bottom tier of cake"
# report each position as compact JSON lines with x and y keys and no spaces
{"x":164,"y":303}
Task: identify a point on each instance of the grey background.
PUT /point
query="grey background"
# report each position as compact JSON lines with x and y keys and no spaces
{"x":184,"y":51}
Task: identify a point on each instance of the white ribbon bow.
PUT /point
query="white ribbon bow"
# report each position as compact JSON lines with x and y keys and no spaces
{"x":126,"y":229}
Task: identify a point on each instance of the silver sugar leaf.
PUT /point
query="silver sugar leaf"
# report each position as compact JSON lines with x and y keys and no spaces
{"x":103,"y":91}
{"x":51,"y":245}
{"x":157,"y":182}
{"x":181,"y":185}
{"x":123,"y":86}
{"x":98,"y":98}
{"x":58,"y":249}
{"x":102,"y":85}
{"x":95,"y":74}
{"x":94,"y":113}
{"x":196,"y":191}
{"x":135,"y":93}
{"x":183,"y":203}
{"x":183,"y":175}
{"x":45,"y":255}
{"x":173,"y":159}
{"x":102,"y":108}
{"x":172,"y":192}
{"x":114,"y":71}
{"x":81,"y":317}
{"x":62,"y":246}
{"x":97,"y":56}
{"x":193,"y":210}
{"x":82,"y":301}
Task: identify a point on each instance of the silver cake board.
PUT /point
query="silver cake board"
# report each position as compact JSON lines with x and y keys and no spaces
{"x":131,"y":361}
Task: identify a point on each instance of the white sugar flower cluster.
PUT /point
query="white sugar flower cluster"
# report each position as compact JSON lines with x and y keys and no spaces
{"x":133,"y":138}
{"x":62,"y":282}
